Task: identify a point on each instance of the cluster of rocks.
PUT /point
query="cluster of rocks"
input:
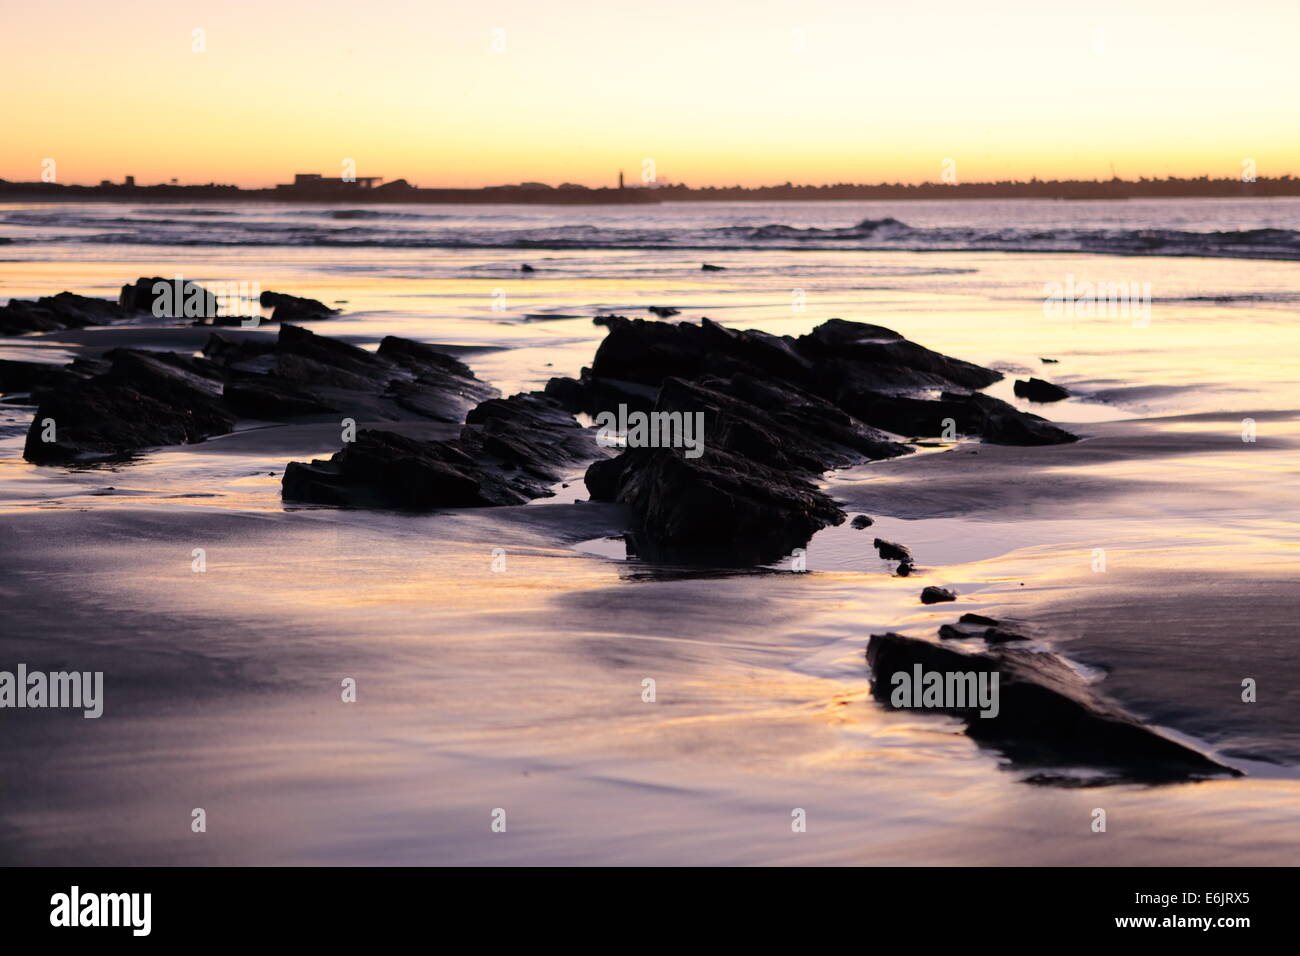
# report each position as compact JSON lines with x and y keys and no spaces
{"x":778,"y":411}
{"x":1046,"y":714}
{"x":893,"y":551}
{"x":53,"y":313}
{"x":184,"y":298}
{"x":130,"y":399}
{"x":510,"y":451}
{"x":140,"y":299}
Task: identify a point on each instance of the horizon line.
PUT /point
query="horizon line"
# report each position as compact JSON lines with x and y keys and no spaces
{"x":649,"y":187}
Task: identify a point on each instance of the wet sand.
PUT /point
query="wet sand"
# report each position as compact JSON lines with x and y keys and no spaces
{"x":521,"y":688}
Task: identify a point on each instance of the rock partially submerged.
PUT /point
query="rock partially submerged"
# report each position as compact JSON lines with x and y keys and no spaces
{"x":143,"y":399}
{"x":1047,"y":715}
{"x":891,"y":551}
{"x":965,"y":413}
{"x":1038,"y":390}
{"x":866,"y":372}
{"x":154,"y":296}
{"x":936,"y":595}
{"x":54,"y":313}
{"x":751,"y":496}
{"x":294,"y":308}
{"x":36,"y":378}
{"x":721,"y":508}
{"x":134,"y":399}
{"x":784,"y":409}
{"x":977,"y":626}
{"x":185,"y":298}
{"x":168,"y":298}
{"x":509,"y":452}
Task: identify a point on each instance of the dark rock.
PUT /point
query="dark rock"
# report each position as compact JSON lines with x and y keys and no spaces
{"x":230,"y":321}
{"x":720,"y":508}
{"x":707,"y":267}
{"x":970,"y":413}
{"x":664,"y":311}
{"x":779,"y":439}
{"x":950,"y":633}
{"x":1047,"y":361}
{"x":271,"y":398}
{"x":20,"y":376}
{"x":293,"y":308}
{"x":252,"y":352}
{"x":526,"y":268}
{"x":905,"y":569}
{"x":530,"y":432}
{"x":145,"y":399}
{"x":870,"y":373}
{"x":55,"y":312}
{"x":134,"y":399}
{"x":326,"y":360}
{"x":443,"y":388}
{"x":996,"y":635}
{"x":861,"y":521}
{"x":168,"y":298}
{"x":592,"y":395}
{"x":1046,"y":714}
{"x":891,"y":551}
{"x":570,"y":393}
{"x":1037,"y":390}
{"x":853,"y":356}
{"x":780,"y":428}
{"x":777,"y":412}
{"x":977,"y":619}
{"x":384,"y":469}
{"x":935,"y":595}
{"x":647,"y":352}
{"x":509,"y":452}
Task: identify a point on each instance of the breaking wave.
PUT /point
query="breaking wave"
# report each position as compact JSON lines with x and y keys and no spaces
{"x":407,"y":228}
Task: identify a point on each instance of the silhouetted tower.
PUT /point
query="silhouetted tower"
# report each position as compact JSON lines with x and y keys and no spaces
{"x":620,"y":179}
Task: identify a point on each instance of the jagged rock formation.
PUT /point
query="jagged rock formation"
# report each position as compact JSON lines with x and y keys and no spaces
{"x":509,"y":452}
{"x":56,"y":312}
{"x":778,"y":411}
{"x":1046,"y":714}
{"x":133,"y":399}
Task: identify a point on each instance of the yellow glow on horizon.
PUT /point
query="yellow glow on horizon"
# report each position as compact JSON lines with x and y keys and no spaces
{"x":749,"y":94}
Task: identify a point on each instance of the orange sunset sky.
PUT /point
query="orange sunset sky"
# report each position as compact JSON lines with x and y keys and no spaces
{"x":471,"y":94}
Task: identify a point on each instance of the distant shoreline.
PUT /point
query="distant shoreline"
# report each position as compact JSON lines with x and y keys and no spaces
{"x":535,"y":194}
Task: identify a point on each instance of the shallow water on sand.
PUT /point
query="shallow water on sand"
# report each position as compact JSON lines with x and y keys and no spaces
{"x":522,"y":688}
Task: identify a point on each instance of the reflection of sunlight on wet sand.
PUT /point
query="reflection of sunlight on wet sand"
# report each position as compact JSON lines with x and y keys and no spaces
{"x":470,"y":700}
{"x":523,"y":688}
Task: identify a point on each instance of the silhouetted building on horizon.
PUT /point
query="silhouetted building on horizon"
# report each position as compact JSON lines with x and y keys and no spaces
{"x":316,"y":183}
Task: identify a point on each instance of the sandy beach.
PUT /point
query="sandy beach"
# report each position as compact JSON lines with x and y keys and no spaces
{"x":500,"y":654}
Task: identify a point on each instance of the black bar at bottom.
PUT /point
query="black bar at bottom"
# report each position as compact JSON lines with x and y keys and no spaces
{"x":334,"y":905}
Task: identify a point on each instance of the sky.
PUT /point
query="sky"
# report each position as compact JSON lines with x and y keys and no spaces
{"x":710,"y":92}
